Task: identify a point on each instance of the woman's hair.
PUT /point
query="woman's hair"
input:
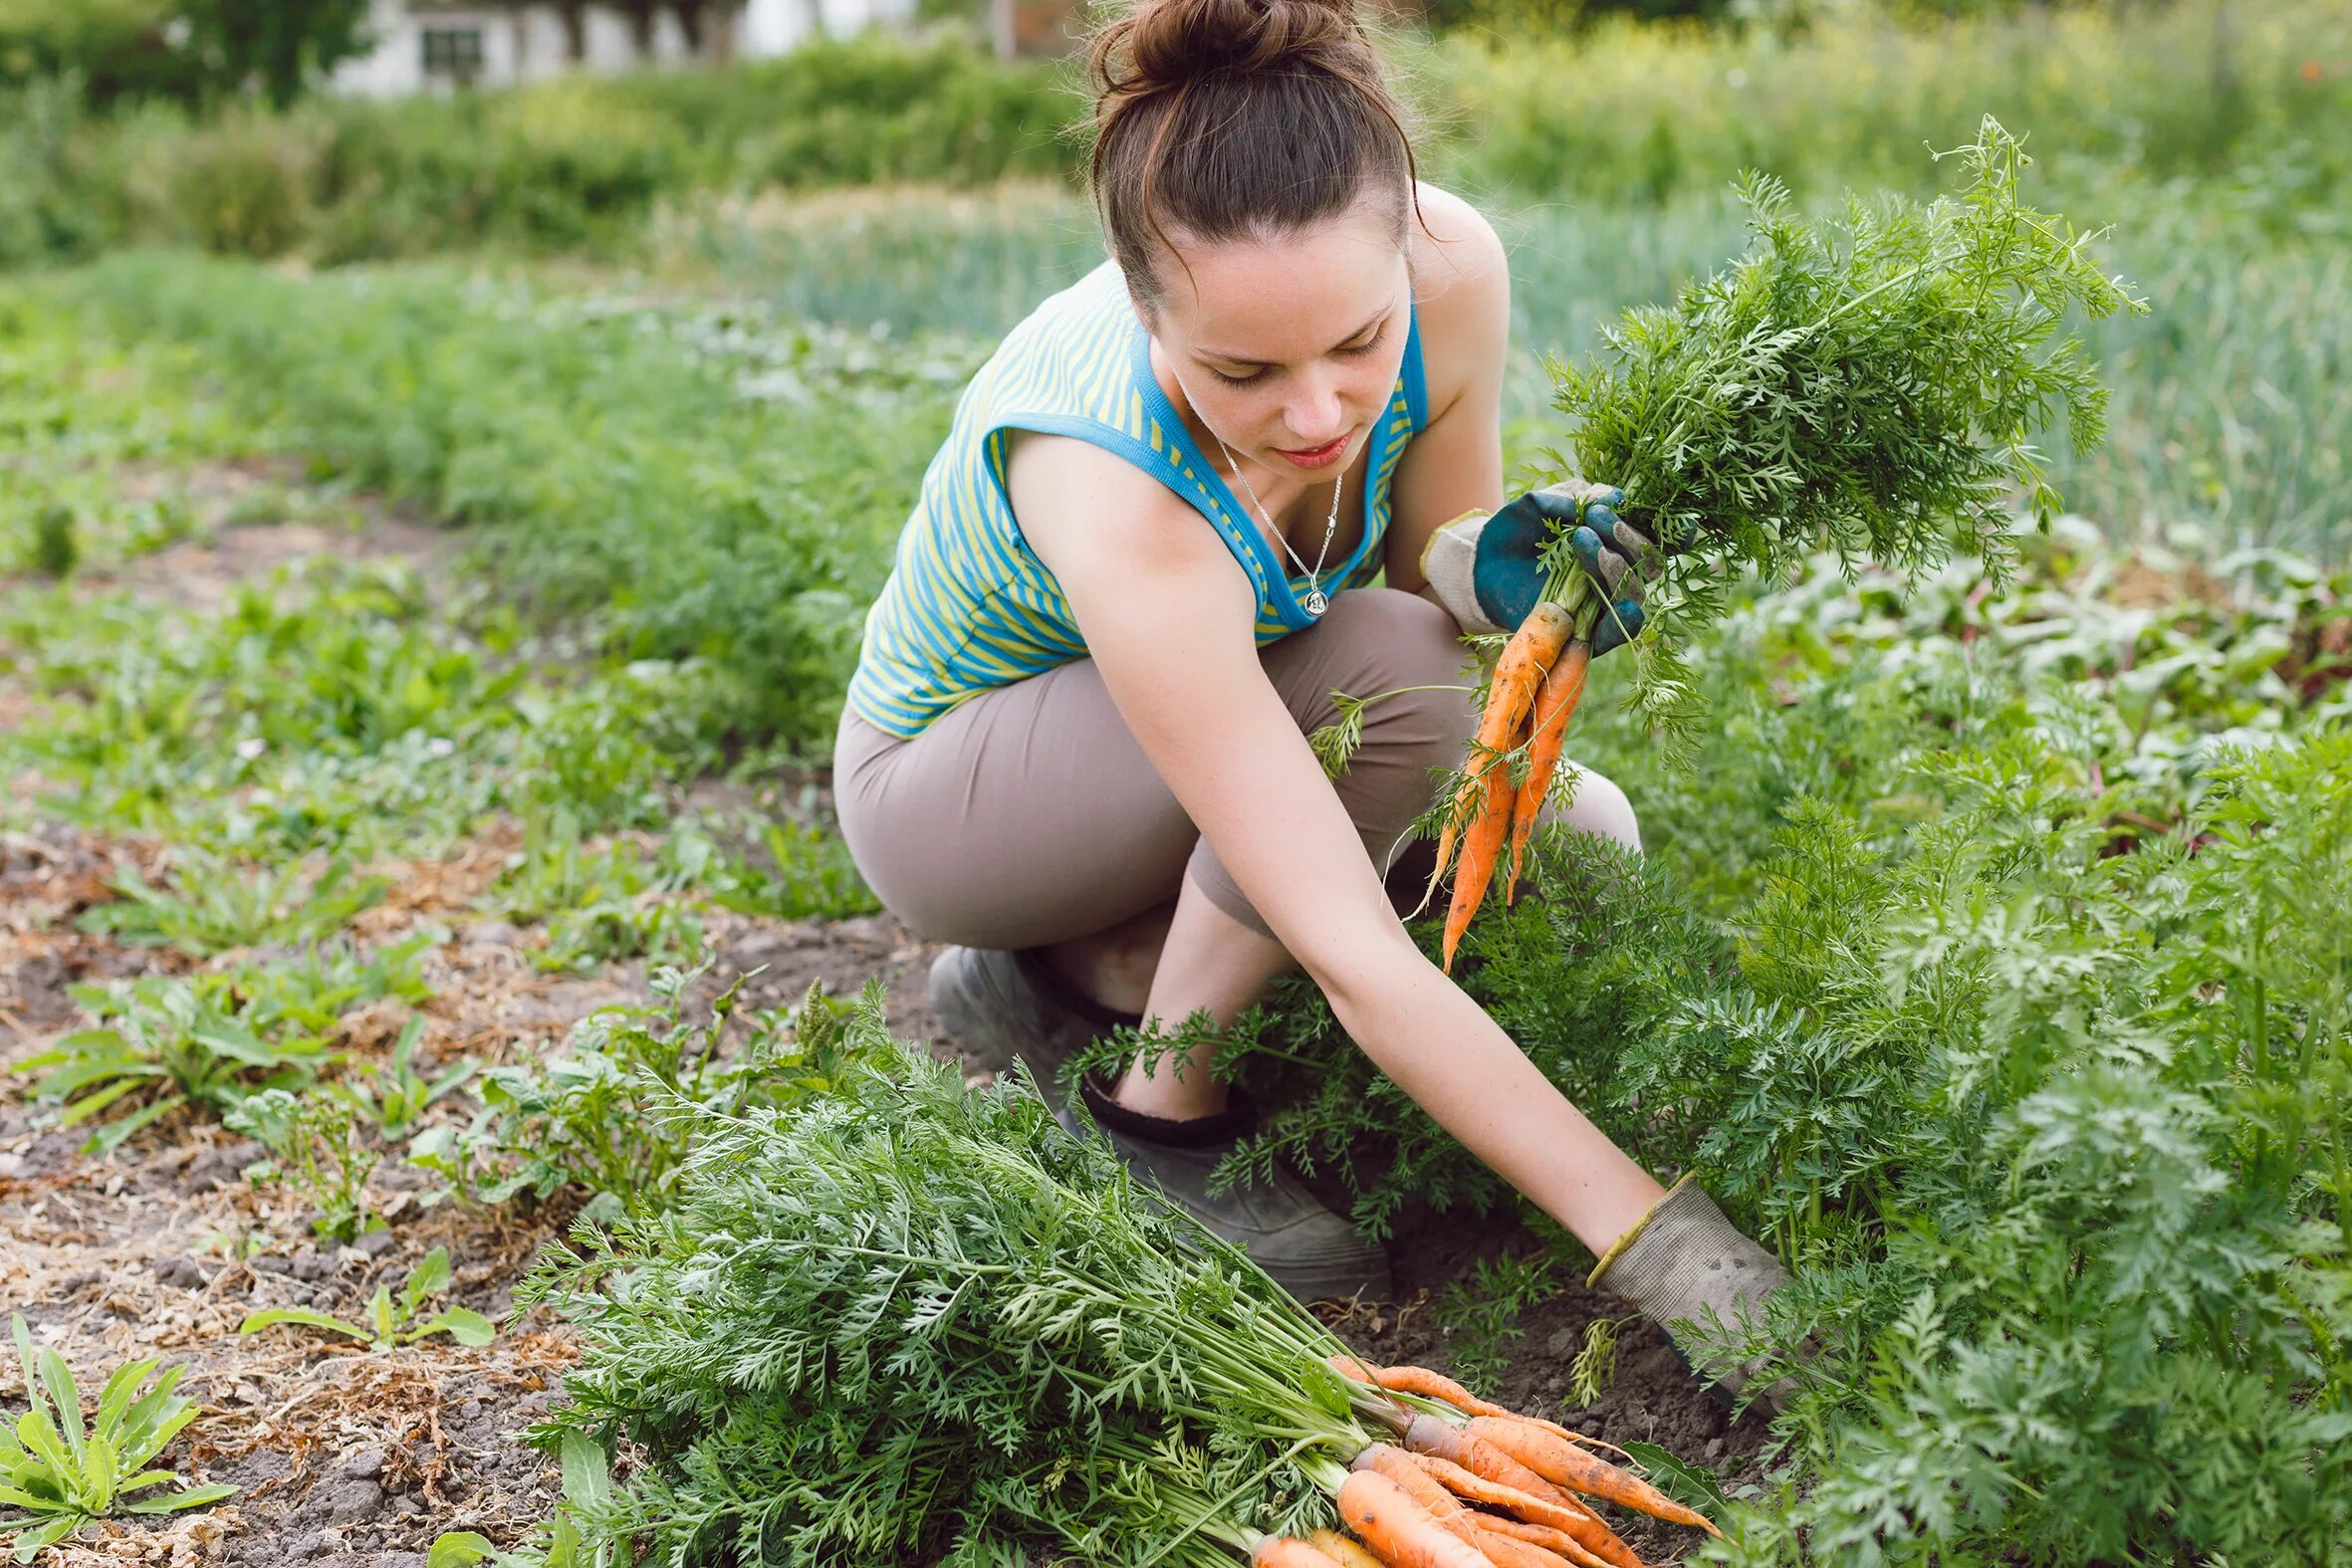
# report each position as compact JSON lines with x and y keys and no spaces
{"x":1231,"y":119}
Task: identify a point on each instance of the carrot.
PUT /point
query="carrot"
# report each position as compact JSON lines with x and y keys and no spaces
{"x":1556,"y":703}
{"x":1419,"y":1485}
{"x":1345,"y":1552}
{"x":1518,"y":674}
{"x":1504,"y":1552}
{"x":1434,"y":1385}
{"x":1567,"y":1518}
{"x":1544,"y":1535}
{"x":1437,"y":1386}
{"x":1399,"y":1530}
{"x":1566,"y":1464}
{"x":1481,"y":847}
{"x":1278,"y":1551}
{"x":1442,"y":1439}
{"x":1349,"y":1366}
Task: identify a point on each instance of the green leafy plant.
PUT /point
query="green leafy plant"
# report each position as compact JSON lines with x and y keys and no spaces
{"x":215,"y":905}
{"x":1481,"y":1311}
{"x":911,"y":1315}
{"x":596,"y":1115}
{"x":315,"y":1145}
{"x":1596,"y":1366}
{"x":393,"y":1321}
{"x":181,"y":1037}
{"x":395,"y":1097}
{"x":58,"y":1475}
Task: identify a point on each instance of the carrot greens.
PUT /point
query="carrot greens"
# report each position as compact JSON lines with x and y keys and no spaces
{"x":1871,"y":381}
{"x":916,"y":1316}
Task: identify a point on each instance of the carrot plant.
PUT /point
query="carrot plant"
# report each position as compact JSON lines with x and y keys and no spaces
{"x":912,"y":1317}
{"x":1871,"y":381}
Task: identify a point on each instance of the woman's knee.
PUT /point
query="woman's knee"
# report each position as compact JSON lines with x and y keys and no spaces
{"x":1598,"y":806}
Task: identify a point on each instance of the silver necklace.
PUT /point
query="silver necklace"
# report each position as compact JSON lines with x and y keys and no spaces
{"x":1315,"y":602}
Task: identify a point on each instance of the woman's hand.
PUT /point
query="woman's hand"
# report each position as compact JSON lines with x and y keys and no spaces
{"x":1489,"y":570}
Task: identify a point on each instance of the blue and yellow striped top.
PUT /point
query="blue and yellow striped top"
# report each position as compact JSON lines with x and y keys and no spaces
{"x":968,"y":607}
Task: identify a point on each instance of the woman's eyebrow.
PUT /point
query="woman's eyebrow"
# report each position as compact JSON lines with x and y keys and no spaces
{"x":1378,"y":317}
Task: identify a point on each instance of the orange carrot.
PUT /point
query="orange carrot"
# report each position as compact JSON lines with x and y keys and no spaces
{"x":1442,"y":1440}
{"x":1437,"y":1386}
{"x":1278,"y":1551}
{"x":1556,"y":703}
{"x":1345,"y":1552}
{"x":1504,"y":1552}
{"x":1399,"y":1530}
{"x":1566,"y":1464}
{"x":1481,"y":847}
{"x":1423,"y":1487}
{"x":1567,"y":1518}
{"x":1527,"y":657}
{"x":1544,"y":1535}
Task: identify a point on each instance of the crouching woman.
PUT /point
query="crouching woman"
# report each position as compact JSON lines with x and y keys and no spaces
{"x":1077,"y":743}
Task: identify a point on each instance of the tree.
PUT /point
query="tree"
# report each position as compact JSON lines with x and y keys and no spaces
{"x":279,"y":46}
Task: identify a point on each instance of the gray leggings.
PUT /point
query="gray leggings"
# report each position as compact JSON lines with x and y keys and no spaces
{"x":1029,"y":816}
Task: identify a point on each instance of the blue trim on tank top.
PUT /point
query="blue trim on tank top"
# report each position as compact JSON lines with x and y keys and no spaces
{"x":1287,"y":608}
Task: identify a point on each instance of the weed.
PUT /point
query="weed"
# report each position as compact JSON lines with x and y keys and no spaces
{"x":315,"y":1146}
{"x":214,"y":905}
{"x":56,"y":1475}
{"x":395,"y":1097}
{"x":592,"y":1115}
{"x":185,"y":1038}
{"x":393,"y":1321}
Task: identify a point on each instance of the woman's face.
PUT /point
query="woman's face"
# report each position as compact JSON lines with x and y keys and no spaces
{"x":1288,"y":348}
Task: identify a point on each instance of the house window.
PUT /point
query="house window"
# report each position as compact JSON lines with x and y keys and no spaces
{"x":453,"y":51}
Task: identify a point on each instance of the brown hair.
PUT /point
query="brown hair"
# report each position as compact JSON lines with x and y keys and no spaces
{"x":1237,"y":118}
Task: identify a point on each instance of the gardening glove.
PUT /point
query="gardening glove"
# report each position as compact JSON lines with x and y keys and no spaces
{"x":1487,"y":569}
{"x":1682,"y":1261}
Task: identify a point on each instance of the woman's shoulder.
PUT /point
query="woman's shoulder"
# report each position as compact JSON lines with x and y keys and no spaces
{"x":1461,"y":292}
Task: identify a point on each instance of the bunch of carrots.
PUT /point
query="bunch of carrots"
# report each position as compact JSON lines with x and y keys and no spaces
{"x":1470,"y":1484}
{"x":1538,"y":683}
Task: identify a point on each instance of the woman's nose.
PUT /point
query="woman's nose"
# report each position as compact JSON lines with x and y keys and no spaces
{"x":1318,"y":416}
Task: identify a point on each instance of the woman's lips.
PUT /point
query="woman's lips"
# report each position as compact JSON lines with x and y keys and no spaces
{"x":1318,"y":457}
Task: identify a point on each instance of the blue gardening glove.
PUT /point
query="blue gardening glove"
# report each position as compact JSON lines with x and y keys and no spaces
{"x":1487,"y":569}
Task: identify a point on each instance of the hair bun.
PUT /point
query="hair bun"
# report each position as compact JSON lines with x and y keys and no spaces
{"x":1170,"y":43}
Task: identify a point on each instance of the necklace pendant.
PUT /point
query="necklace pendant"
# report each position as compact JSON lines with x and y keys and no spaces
{"x":1315,"y":603}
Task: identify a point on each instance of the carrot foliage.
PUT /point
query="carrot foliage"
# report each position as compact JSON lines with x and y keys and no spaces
{"x":1870,"y":383}
{"x":916,"y":1318}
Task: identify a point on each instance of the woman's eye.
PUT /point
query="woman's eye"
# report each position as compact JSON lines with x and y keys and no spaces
{"x":1237,"y":380}
{"x":1369,"y":343}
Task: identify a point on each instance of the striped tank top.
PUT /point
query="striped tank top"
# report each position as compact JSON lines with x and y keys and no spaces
{"x":968,"y":607}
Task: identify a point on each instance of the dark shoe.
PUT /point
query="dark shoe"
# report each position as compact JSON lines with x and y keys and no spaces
{"x":998,"y":1006}
{"x":1309,"y":1250}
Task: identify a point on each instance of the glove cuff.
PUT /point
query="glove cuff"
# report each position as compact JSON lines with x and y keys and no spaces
{"x":1469,"y":518}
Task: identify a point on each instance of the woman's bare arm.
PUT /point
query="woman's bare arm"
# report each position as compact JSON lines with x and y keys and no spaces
{"x":1167,"y":615}
{"x":1463,"y":289}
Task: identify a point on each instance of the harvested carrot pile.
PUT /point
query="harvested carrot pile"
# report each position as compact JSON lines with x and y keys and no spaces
{"x":917,"y":1317}
{"x":1869,"y":382}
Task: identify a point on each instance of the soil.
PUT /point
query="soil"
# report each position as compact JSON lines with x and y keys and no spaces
{"x":341,"y":1457}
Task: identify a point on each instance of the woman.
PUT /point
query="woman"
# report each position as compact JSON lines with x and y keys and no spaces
{"x":1076,"y":744}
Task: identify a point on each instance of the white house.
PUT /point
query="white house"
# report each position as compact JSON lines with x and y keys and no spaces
{"x":436,"y":45}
